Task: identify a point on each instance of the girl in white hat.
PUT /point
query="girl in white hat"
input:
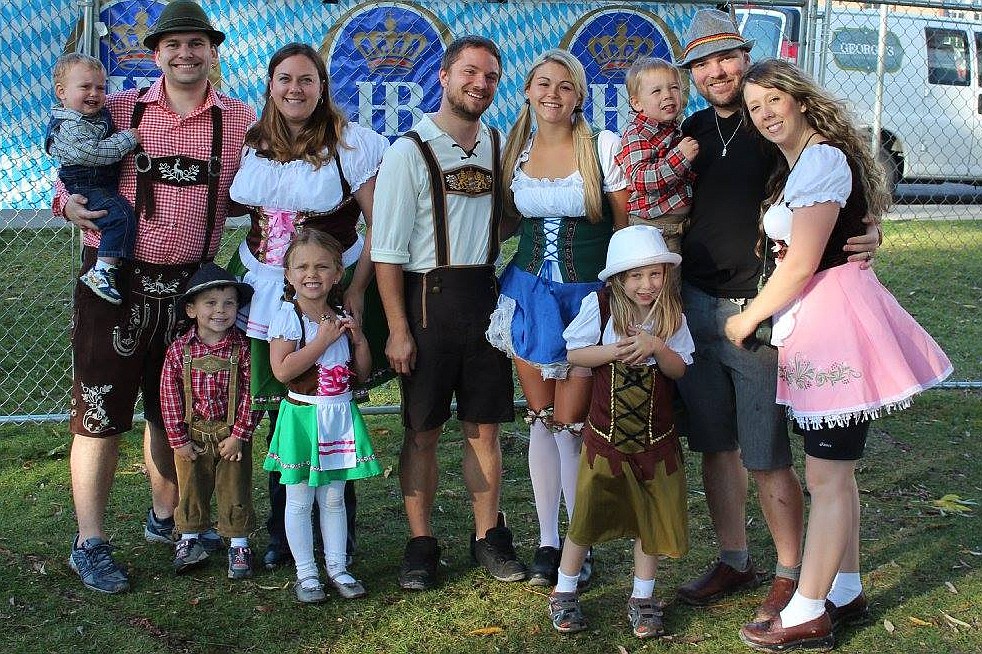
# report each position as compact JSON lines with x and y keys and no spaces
{"x":631,"y":481}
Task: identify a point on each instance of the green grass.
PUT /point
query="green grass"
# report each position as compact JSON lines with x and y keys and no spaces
{"x":910,"y":551}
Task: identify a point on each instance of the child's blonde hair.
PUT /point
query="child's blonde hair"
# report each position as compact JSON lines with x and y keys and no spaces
{"x":644,"y":65}
{"x":67,"y":61}
{"x":666,"y":311}
{"x":327,"y":243}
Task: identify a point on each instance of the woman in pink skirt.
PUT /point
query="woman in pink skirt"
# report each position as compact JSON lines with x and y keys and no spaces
{"x":847,"y":351}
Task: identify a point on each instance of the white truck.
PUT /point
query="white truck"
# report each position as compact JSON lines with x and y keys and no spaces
{"x":931,"y":117}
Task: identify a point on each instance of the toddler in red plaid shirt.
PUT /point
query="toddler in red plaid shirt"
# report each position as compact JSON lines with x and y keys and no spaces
{"x":205,"y":402}
{"x":655,"y":156}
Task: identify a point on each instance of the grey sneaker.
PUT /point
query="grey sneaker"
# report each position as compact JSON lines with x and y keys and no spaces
{"x":102,"y":282}
{"x":93,"y":561}
{"x":159,"y":530}
{"x":239,"y":563}
{"x":189,"y":554}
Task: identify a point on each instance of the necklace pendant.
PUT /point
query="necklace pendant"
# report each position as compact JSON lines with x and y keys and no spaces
{"x":724,"y":151}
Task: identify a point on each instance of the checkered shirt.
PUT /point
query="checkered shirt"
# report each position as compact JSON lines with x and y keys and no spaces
{"x":209,"y":391}
{"x":176,"y":233}
{"x":85,"y":141}
{"x":661,"y":178}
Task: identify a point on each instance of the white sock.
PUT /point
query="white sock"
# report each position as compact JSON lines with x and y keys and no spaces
{"x":569,"y":466}
{"x":189,"y":536}
{"x":544,"y":471}
{"x":299,"y":530}
{"x":566,"y":584}
{"x":334,"y":530}
{"x":845,"y":588}
{"x":801,"y":609}
{"x":239,"y":542}
{"x":643,"y":588}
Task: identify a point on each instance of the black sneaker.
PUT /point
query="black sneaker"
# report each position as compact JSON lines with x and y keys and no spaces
{"x":419,"y":564}
{"x":93,"y":561}
{"x":276,"y":555}
{"x":496,"y":554}
{"x":159,"y":530}
{"x":188,"y":554}
{"x":544,"y":570}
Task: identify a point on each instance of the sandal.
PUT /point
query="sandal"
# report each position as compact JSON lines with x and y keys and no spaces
{"x":645,"y":616}
{"x":566,"y":613}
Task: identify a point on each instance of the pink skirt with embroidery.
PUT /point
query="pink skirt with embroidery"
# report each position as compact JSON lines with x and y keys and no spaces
{"x":853,"y":352}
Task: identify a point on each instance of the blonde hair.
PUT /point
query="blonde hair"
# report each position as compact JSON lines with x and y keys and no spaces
{"x":68,"y":61}
{"x":319,"y":138}
{"x":645,"y":65}
{"x":665,"y":313}
{"x":584,"y":148}
{"x":830,"y":118}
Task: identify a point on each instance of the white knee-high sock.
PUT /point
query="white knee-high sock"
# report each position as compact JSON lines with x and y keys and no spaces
{"x":299,"y":530}
{"x":569,"y":465}
{"x":544,"y":471}
{"x":334,"y":529}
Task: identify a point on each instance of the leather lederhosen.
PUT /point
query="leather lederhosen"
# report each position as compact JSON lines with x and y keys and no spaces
{"x":210,"y":432}
{"x":631,"y":418}
{"x":440,"y":229}
{"x":178,"y":170}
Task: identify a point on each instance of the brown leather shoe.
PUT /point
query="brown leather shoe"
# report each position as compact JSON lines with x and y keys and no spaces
{"x":720,"y":580}
{"x":773,"y":637}
{"x":780,"y":594}
{"x":855,"y":612}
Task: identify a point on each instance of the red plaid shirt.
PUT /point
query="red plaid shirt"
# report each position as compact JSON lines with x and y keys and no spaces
{"x":661,"y":178}
{"x":209,"y":391}
{"x":176,"y":233}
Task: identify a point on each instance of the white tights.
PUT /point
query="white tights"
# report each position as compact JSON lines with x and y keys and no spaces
{"x":333,"y":524}
{"x":554,"y":460}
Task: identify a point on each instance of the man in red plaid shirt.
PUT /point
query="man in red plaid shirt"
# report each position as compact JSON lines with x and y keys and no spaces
{"x":178,"y":183}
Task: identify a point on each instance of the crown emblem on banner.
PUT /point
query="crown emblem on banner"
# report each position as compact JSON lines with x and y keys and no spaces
{"x":389,"y":50}
{"x":616,"y":52}
{"x":126,"y":41}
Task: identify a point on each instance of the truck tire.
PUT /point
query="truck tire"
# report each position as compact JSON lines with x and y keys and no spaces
{"x":891,"y":168}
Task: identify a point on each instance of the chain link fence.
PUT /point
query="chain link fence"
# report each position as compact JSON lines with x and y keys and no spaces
{"x":383,"y":59}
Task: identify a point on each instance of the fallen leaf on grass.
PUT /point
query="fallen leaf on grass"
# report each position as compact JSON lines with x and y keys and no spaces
{"x":194,"y":601}
{"x":920,"y":623}
{"x":955,"y":621}
{"x":485,"y":631}
{"x":271,"y":587}
{"x":387,"y":472}
{"x":621,"y":649}
{"x":888,"y":626}
{"x":951,"y":587}
{"x":952,"y":503}
{"x":380,"y":431}
{"x":264,"y":608}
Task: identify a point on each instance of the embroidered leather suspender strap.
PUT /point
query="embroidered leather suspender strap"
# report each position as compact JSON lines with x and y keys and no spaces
{"x":146,"y":174}
{"x":211,"y":364}
{"x":438,"y":194}
{"x":439,"y":198}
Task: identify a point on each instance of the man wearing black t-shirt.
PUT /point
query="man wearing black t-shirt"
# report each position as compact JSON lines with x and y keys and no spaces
{"x":729,"y":392}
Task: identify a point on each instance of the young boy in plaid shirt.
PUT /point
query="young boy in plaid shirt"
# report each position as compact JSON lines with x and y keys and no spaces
{"x":205,"y":402}
{"x":655,"y":156}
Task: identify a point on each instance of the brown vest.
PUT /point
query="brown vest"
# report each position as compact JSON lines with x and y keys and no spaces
{"x":631,"y":417}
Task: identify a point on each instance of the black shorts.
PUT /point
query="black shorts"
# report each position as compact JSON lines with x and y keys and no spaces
{"x":448,"y":310}
{"x":835,"y":443}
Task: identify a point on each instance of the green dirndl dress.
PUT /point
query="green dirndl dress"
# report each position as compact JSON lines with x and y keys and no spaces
{"x":320,"y":437}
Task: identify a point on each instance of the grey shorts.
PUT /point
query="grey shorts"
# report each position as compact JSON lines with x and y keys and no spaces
{"x":729,"y":392}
